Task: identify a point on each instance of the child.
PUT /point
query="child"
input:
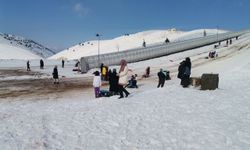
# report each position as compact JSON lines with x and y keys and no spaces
{"x":97,"y":83}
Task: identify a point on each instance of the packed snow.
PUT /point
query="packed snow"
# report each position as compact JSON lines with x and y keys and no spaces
{"x":130,"y":41}
{"x":167,"y":118}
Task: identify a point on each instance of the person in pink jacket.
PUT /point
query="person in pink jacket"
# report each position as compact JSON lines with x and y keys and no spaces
{"x":97,"y":83}
{"x":123,"y":78}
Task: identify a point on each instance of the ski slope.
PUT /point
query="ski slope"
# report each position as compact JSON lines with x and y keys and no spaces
{"x":169,"y":118}
{"x":130,"y":41}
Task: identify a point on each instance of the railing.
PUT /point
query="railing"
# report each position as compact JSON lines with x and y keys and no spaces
{"x":153,"y":51}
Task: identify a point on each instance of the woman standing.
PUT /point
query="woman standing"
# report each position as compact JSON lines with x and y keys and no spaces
{"x":186,"y":72}
{"x":55,"y":75}
{"x":123,"y":78}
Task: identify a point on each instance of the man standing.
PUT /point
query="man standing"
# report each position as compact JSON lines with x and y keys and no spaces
{"x":28,"y":65}
{"x":62,"y":63}
{"x":162,"y":78}
{"x":55,"y":75}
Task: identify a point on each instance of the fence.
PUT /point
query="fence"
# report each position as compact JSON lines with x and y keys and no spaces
{"x":139,"y":54}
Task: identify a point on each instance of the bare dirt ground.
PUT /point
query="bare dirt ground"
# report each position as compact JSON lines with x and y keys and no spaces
{"x":38,"y":87}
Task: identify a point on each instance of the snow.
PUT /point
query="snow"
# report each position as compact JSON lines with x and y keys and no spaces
{"x":168,"y":118}
{"x":7,"y":51}
{"x":12,"y":45}
{"x":131,"y":41}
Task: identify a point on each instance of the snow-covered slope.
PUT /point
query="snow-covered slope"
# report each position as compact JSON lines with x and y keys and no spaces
{"x":15,"y":47}
{"x":168,"y":118}
{"x":12,"y":52}
{"x":127,"y":41}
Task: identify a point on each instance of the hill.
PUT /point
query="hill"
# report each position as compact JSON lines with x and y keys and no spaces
{"x":16,"y":47}
{"x":130,"y":41}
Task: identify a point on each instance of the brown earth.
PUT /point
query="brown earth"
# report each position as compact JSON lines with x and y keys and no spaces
{"x":39,"y":86}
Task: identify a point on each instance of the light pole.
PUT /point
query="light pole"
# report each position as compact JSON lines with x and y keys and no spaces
{"x":217,"y":34}
{"x":98,"y":36}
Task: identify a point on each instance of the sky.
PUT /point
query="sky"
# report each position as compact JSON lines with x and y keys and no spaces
{"x":59,"y":24}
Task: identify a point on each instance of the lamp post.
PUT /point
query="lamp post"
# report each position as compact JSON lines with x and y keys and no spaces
{"x":98,"y":36}
{"x":217,"y":34}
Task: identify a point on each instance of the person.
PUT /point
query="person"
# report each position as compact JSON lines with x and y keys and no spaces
{"x":123,"y":78}
{"x":167,"y":40}
{"x":162,"y":78}
{"x":101,"y":67}
{"x":212,"y":54}
{"x":55,"y":75}
{"x":186,"y":72}
{"x":204,"y":33}
{"x":97,"y":83}
{"x":113,"y":82}
{"x":144,"y":43}
{"x":104,"y":73}
{"x":167,"y":74}
{"x":62,"y":63}
{"x":147,"y":72}
{"x":41,"y":64}
{"x":77,"y":63}
{"x":28,"y":65}
{"x":180,"y":70}
{"x":132,"y":83}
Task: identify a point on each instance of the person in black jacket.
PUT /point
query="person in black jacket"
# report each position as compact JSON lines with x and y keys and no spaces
{"x":113,"y":82}
{"x":185,"y":72}
{"x":28,"y":65}
{"x":55,"y":75}
{"x":162,"y":78}
{"x":41,"y":64}
{"x":63,"y":63}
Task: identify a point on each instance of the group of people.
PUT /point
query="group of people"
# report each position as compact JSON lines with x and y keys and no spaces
{"x":144,"y":42}
{"x":41,"y":64}
{"x":117,"y":81}
{"x":54,"y":73}
{"x":212,"y":54}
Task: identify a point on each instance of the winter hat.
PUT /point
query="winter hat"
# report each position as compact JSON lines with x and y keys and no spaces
{"x":96,"y":73}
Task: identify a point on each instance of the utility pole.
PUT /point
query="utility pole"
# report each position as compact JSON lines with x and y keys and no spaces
{"x":217,"y":34}
{"x":98,"y":36}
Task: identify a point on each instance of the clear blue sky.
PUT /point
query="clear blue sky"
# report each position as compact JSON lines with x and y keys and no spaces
{"x":63,"y":23}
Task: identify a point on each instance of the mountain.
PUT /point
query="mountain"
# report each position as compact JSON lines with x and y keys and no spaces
{"x":11,"y":45}
{"x":129,"y":41}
